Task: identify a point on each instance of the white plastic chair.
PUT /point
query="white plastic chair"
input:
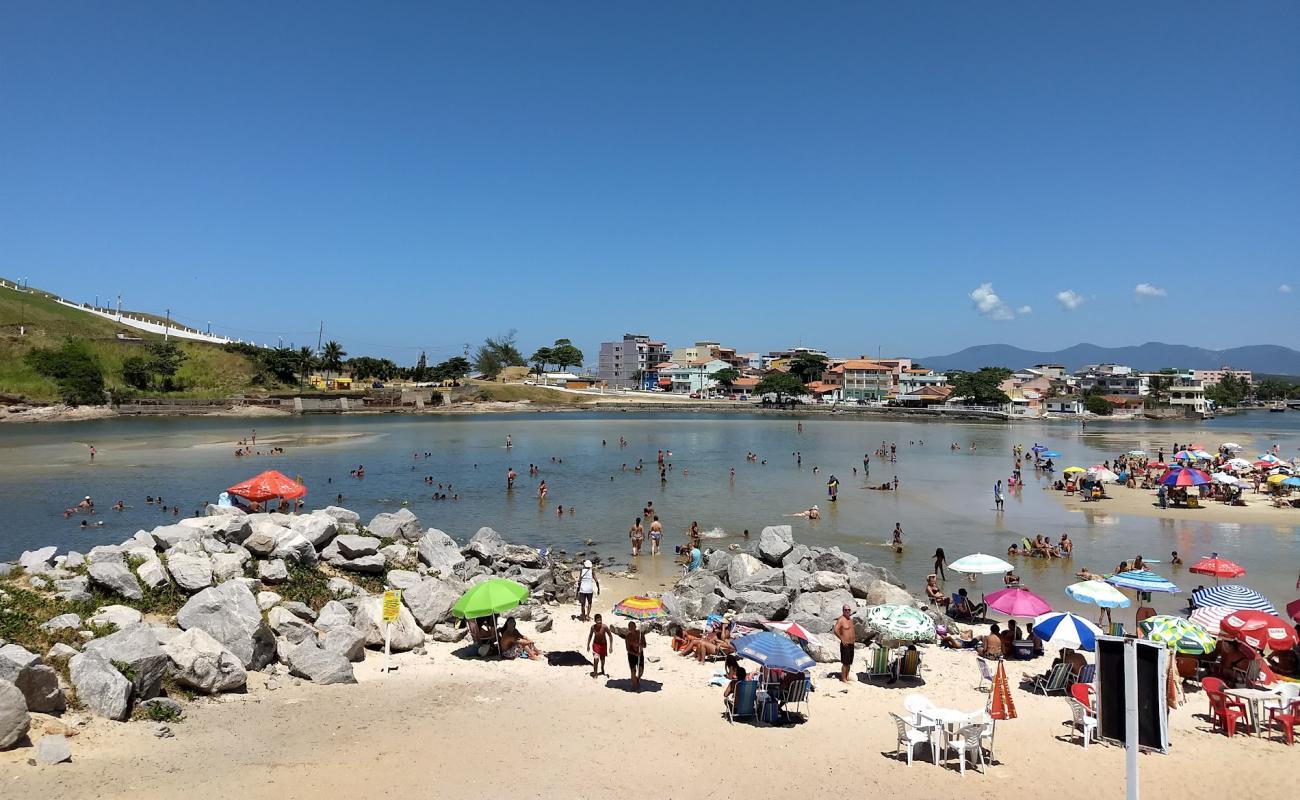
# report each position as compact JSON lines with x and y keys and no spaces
{"x":1083,"y":720}
{"x":916,"y":704}
{"x":1287,"y":692}
{"x":967,"y":740}
{"x":909,"y":736}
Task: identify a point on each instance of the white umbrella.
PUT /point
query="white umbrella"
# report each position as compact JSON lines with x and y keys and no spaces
{"x":1102,"y":474}
{"x":1224,"y":478}
{"x":1099,"y":593}
{"x":1232,"y":446}
{"x":1241,"y":464}
{"x":980,"y":564}
{"x":1137,"y":452}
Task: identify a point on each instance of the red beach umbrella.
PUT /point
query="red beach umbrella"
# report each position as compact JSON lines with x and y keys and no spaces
{"x":1259,"y":630}
{"x":1293,"y":608}
{"x":1217,"y":567}
{"x":1003,"y":706}
{"x":268,"y":486}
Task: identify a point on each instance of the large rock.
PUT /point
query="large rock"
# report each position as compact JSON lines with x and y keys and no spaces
{"x":100,"y":687}
{"x":810,"y":623}
{"x":765,"y":580}
{"x":168,"y":536}
{"x":835,"y":560}
{"x":440,"y":552}
{"x":294,"y":546}
{"x":400,"y":524}
{"x":881,"y":593}
{"x":826,"y":605}
{"x":799,"y":556}
{"x":37,"y":560}
{"x":228,"y":565}
{"x":228,"y":528}
{"x":62,"y":622}
{"x":317,"y":528}
{"x":318,"y":665}
{"x":117,"y":616}
{"x":448,"y":633}
{"x":333,"y":615}
{"x":107,"y":553}
{"x":262,"y":540}
{"x":774,"y":542}
{"x":406,"y":633}
{"x":230,"y":614}
{"x":718,"y":562}
{"x":53,"y":749}
{"x":73,"y":590}
{"x":402,"y":578}
{"x":14,"y":719}
{"x":346,"y":641}
{"x":762,"y":605}
{"x":430,"y":601}
{"x":204,"y":664}
{"x":683,"y":604}
{"x":38,"y":682}
{"x":300,"y":610}
{"x":116,"y":578}
{"x":288,"y":626}
{"x":862,"y":575}
{"x":351,"y":546}
{"x":741,"y":567}
{"x":273,"y":571}
{"x":824,"y":581}
{"x":372,"y":564}
{"x":341,"y":516}
{"x":824,"y":648}
{"x":487,"y":545}
{"x":152,"y":573}
{"x":191,"y":572}
{"x":396,"y":554}
{"x":700,"y":581}
{"x":520,"y":554}
{"x":135,"y":647}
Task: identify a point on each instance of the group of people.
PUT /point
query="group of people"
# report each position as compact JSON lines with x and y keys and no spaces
{"x":1042,"y":547}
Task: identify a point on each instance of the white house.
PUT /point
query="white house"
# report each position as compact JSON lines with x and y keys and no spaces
{"x":695,"y":375}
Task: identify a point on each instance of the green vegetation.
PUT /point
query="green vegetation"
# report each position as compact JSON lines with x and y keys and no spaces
{"x":26,"y":610}
{"x":1097,"y":404}
{"x":981,"y":387}
{"x":306,"y":584}
{"x":538,"y":395}
{"x":1229,"y":391}
{"x":495,"y":354}
{"x":781,"y":384}
{"x":74,"y":369}
{"x":726,"y":377}
{"x":157,"y":712}
{"x":1273,"y":388}
{"x":807,"y":367}
{"x":453,"y":369}
{"x":563,"y":354}
{"x":365,"y":368}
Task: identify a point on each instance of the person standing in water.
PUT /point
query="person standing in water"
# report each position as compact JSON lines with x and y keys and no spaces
{"x":656,"y":536}
{"x":898,"y":537}
{"x":833,"y":488}
{"x":510,"y":477}
{"x":509,"y":441}
{"x":637,"y":534}
{"x":940,"y":561}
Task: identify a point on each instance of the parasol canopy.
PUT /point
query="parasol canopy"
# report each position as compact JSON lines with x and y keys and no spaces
{"x":1259,"y":630}
{"x":490,"y":597}
{"x":1217,"y":567}
{"x":1142,"y":580}
{"x":269,"y":485}
{"x":1099,"y":593}
{"x":1293,"y":610}
{"x":792,"y":629}
{"x":773,"y":652}
{"x":641,"y":607}
{"x":1209,"y":617}
{"x":980,"y":564}
{"x":1102,"y":474}
{"x":1050,"y":454}
{"x":1138,"y":453}
{"x":1062,"y":629}
{"x":1072,"y":470}
{"x":1017,"y":603}
{"x":1233,"y":595}
{"x":1239,"y":464}
{"x":1231,"y":446}
{"x":1184,"y":476}
{"x":1178,"y":633}
{"x":900,"y":623}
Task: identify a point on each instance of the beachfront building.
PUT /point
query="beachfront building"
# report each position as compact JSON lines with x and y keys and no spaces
{"x":776,"y":359}
{"x":1209,"y":377}
{"x":913,"y":379}
{"x":1112,"y":380}
{"x":865,"y":381}
{"x":695,"y":375}
{"x":1065,"y":404}
{"x":630,"y":363}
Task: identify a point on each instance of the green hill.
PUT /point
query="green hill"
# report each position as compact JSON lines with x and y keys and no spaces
{"x":208,"y":370}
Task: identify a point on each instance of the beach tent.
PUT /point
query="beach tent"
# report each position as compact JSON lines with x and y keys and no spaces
{"x":270,"y":485}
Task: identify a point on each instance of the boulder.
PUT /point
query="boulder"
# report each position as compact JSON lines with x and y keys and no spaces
{"x":520,"y":554}
{"x":700,"y":581}
{"x":765,"y":580}
{"x":14,"y":719}
{"x":152,"y":573}
{"x":7,"y":568}
{"x":741,"y":567}
{"x":37,"y":681}
{"x":402,"y":578}
{"x":166,"y":537}
{"x":440,"y":552}
{"x":835,"y":560}
{"x":191,"y":572}
{"x":430,"y":601}
{"x":73,"y":590}
{"x":862,"y":574}
{"x":774,"y":542}
{"x":487,"y":545}
{"x":351,"y":546}
{"x":718,"y":562}
{"x":204,"y":664}
{"x":116,"y":578}
{"x":53,"y":749}
{"x":300,"y":610}
{"x":396,"y":554}
{"x":62,"y":622}
{"x":795,"y":577}
{"x":293,"y":546}
{"x":61,"y":651}
{"x":448,"y":633}
{"x":683,"y":605}
{"x":100,"y":687}
{"x":117,"y":616}
{"x":165,"y":634}
{"x":824,"y":581}
{"x":262,"y":539}
{"x":267,"y":600}
{"x":340,"y":515}
{"x":810,"y":623}
{"x":229,"y":613}
{"x":758,"y":605}
{"x":333,"y":615}
{"x":880,"y":593}
{"x":285,"y":624}
{"x":346,"y":641}
{"x":74,"y":560}
{"x":272,"y":571}
{"x":799,"y":556}
{"x":372,"y":564}
{"x":401,"y":524}
{"x":228,"y":565}
{"x":826,"y":605}
{"x":318,"y":665}
{"x":226,"y":528}
{"x":824,"y":648}
{"x":108,"y":553}
{"x":37,"y":560}
{"x":136,"y":649}
{"x":317,"y":528}
{"x":406,"y":633}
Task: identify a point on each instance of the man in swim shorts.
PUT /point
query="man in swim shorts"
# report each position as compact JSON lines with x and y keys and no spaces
{"x":656,"y":536}
{"x":635,"y":641}
{"x":848,"y":637}
{"x":598,"y":642}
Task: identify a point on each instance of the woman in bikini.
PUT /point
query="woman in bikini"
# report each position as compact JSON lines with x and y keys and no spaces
{"x":637,"y":534}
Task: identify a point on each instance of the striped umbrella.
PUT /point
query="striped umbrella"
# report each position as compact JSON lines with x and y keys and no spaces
{"x":1102,"y":475}
{"x":1099,"y":593}
{"x":980,"y":564}
{"x":1178,"y":633}
{"x":1143,"y":581}
{"x":1268,"y":458}
{"x":641,"y":607}
{"x":1183,"y":455}
{"x":1184,"y":476}
{"x":900,"y":623}
{"x":1259,"y":630}
{"x":1209,"y":617}
{"x":792,"y":629}
{"x":1062,"y":629}
{"x":1239,"y":464}
{"x":1201,"y":455}
{"x":1232,"y":595}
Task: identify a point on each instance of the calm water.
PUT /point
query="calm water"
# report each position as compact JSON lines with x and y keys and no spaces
{"x":945,"y":499}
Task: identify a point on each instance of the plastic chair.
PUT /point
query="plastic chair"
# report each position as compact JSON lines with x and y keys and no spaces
{"x":967,"y":741}
{"x":1285,"y":719}
{"x":908,"y":666}
{"x":1083,"y":720}
{"x":879,"y":664}
{"x":743,"y":703}
{"x":796,"y":694}
{"x":917,"y":704}
{"x":909,"y":736}
{"x":986,"y":675}
{"x":1083,"y":693}
{"x":1212,"y":684}
{"x":1226,"y":712}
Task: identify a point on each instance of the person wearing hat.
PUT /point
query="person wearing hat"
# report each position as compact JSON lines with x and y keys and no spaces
{"x":588,"y":588}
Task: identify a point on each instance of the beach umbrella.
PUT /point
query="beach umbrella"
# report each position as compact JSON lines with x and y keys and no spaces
{"x":1156,"y":465}
{"x":980,"y":564}
{"x":641,"y":607}
{"x":1292,"y":481}
{"x":1184,"y":476}
{"x":1102,"y":474}
{"x":1038,"y":448}
{"x":1142,"y":580}
{"x":1099,"y":593}
{"x":1209,"y":617}
{"x":1016,"y":602}
{"x":1137,"y":452}
{"x":490,"y":597}
{"x":1183,"y":455}
{"x":1050,"y":454}
{"x":1062,"y":629}
{"x":1275,"y":479}
{"x":1001,"y":706}
{"x":773,"y":652}
{"x":1201,"y":455}
{"x":791,"y":629}
{"x":269,"y":485}
{"x":1178,"y":633}
{"x":1231,"y":446}
{"x":1268,"y":458}
{"x":1293,"y":610}
{"x":1072,"y":470}
{"x":1217,"y":567}
{"x":1224,"y":478}
{"x":900,"y":623}
{"x":1239,"y":463}
{"x":1259,"y":630}
{"x":1233,"y":595}
{"x":1195,"y":446}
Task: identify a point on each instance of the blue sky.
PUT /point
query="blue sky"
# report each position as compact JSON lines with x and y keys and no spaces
{"x":913,"y":177}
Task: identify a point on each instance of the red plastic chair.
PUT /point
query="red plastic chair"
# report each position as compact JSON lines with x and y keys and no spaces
{"x":1225,"y":712}
{"x":1212,"y":684}
{"x":1286,"y":718}
{"x":1083,"y":693}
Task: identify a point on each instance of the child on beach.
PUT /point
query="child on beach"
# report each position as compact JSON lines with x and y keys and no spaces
{"x":599,"y":640}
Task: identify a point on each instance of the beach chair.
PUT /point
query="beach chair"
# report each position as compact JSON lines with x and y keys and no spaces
{"x":1056,"y":680}
{"x":1115,"y":629}
{"x":796,"y":695}
{"x":960,"y":610}
{"x":1247,"y":676}
{"x":1088,"y":674}
{"x":986,"y":675}
{"x":967,"y":741}
{"x":878,"y":663}
{"x":908,"y":666}
{"x":1284,"y":720}
{"x":744,"y":702}
{"x":1226,"y":712}
{"x":1083,"y":720}
{"x":909,"y":736}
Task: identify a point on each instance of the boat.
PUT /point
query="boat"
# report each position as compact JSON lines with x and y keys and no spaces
{"x":1278,"y":406}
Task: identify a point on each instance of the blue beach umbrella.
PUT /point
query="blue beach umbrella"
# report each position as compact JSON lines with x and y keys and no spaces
{"x":1051,"y":454}
{"x":1143,"y":581}
{"x":1292,"y":481}
{"x":1099,"y":593}
{"x":774,"y":652}
{"x":1062,"y":629}
{"x":1038,"y":448}
{"x":1232,"y":595}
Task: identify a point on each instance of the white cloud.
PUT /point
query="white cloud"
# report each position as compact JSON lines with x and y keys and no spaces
{"x":1023,"y":310}
{"x":1069,"y":299}
{"x":989,"y":304}
{"x":1143,"y":290}
{"x":1285,"y":288}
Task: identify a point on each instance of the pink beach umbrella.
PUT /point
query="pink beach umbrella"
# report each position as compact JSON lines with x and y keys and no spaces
{"x":1017,"y":603}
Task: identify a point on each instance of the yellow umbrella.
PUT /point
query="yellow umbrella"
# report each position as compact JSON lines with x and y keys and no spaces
{"x":1074,"y":469}
{"x":1277,"y":478}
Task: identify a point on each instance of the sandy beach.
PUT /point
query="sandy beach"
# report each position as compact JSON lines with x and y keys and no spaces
{"x":449,"y":726}
{"x":1122,"y":502}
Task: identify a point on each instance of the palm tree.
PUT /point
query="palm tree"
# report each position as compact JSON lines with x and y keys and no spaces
{"x":306,"y":360}
{"x":331,"y":357}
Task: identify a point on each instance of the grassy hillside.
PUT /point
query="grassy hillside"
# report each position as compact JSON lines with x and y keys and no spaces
{"x":513,"y":393}
{"x":208,"y":371}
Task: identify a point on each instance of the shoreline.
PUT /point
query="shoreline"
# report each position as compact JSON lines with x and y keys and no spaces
{"x":1124,"y":502}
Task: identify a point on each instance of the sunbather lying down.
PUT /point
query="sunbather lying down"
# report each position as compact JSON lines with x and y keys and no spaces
{"x":716,"y":642}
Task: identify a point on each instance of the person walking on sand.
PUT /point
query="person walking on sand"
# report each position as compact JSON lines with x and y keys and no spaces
{"x":588,"y":588}
{"x":634,"y":640}
{"x":598,"y":641}
{"x":845,"y":633}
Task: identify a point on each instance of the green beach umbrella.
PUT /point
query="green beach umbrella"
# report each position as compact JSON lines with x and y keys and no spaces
{"x":900,"y":623}
{"x":489,"y":597}
{"x":1178,"y":634}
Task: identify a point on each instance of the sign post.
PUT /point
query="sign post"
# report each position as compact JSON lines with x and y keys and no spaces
{"x":392,"y":608}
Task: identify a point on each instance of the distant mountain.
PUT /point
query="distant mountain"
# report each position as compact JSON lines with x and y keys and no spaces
{"x":1263,"y":358}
